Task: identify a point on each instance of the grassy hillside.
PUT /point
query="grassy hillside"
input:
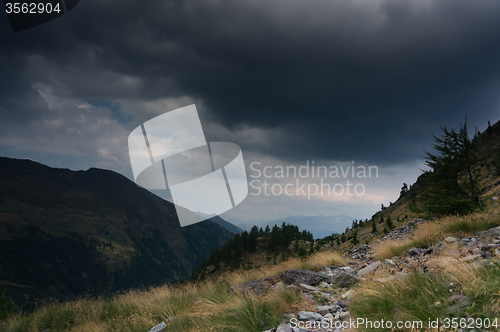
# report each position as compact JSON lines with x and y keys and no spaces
{"x":201,"y":306}
{"x":210,"y":305}
{"x":486,"y":170}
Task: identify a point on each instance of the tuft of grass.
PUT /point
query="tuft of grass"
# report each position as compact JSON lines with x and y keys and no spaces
{"x":325,"y":258}
{"x":249,"y":314}
{"x":391,"y":248}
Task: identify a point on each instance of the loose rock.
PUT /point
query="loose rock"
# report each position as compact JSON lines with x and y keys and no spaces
{"x":309,"y":316}
{"x":284,"y":327}
{"x":490,"y":236}
{"x":159,"y":328}
{"x":298,"y":277}
{"x":450,"y":239}
{"x":343,"y":279}
{"x":369,"y":269}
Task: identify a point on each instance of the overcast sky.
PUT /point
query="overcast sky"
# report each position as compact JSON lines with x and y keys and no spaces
{"x":289,"y":81}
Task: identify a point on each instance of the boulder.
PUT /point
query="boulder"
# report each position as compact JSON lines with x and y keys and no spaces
{"x":344,"y":303}
{"x":298,"y":277}
{"x":325,"y":309}
{"x":413,"y":251}
{"x":343,"y":279}
{"x":369,"y":269}
{"x":346,"y":315}
{"x":309,"y":316}
{"x":450,"y":239}
{"x":490,"y":236}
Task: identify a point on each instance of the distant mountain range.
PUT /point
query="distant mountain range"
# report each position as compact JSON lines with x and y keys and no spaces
{"x":320,"y":226}
{"x":64,"y":233}
{"x":221,"y":222}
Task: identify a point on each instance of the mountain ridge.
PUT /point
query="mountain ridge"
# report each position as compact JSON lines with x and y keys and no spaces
{"x":124,"y":230}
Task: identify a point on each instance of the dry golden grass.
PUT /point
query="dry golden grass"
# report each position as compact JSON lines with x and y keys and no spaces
{"x":435,"y":231}
{"x":326,"y":258}
{"x":391,"y":248}
{"x":136,"y":310}
{"x":420,"y":297}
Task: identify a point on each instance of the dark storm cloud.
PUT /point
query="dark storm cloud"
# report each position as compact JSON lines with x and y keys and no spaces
{"x":364,"y":80}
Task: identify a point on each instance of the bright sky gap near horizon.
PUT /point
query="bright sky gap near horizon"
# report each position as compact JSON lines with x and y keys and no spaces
{"x":292,"y":82}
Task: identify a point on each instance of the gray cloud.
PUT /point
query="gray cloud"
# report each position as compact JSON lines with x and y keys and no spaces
{"x":330,"y":80}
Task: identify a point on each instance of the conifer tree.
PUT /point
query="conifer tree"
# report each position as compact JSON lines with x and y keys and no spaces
{"x":354,"y":239}
{"x":389,"y":223}
{"x":252,"y":239}
{"x":452,"y":186}
{"x":404,"y":190}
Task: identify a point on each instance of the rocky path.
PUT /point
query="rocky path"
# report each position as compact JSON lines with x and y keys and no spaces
{"x":326,"y":292}
{"x":332,"y":314}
